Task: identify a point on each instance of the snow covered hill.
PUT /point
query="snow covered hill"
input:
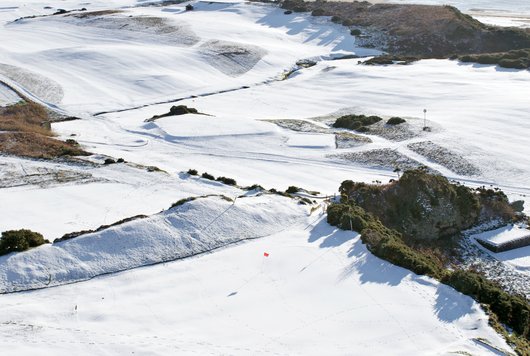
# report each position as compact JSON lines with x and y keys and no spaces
{"x":195,"y":227}
{"x":318,"y":292}
{"x":267,"y":121}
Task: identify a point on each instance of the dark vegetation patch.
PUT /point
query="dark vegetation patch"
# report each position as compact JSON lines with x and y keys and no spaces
{"x":182,"y":202}
{"x":419,"y":30}
{"x":356,"y":122}
{"x":227,"y":181}
{"x":395,"y":121}
{"x":176,"y":110}
{"x":427,"y":206}
{"x":292,"y":189}
{"x":516,"y":59}
{"x":386,"y":60}
{"x":27,"y":133}
{"x":72,"y":235}
{"x":208,"y":176}
{"x":193,"y":172}
{"x":20,"y":240}
{"x":364,"y":208}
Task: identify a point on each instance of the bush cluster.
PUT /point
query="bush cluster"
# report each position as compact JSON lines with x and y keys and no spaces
{"x":227,"y":181}
{"x":516,"y":59}
{"x":292,"y":190}
{"x":395,"y":121}
{"x":207,"y":175}
{"x":20,"y":240}
{"x":381,"y":241}
{"x":356,"y":122}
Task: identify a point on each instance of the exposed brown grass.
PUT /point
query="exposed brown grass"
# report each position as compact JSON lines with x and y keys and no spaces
{"x":25,"y":131}
{"x":84,"y":15}
{"x":25,"y":116}
{"x":35,"y":145}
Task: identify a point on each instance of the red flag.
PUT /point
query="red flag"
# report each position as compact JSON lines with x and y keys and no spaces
{"x":265,"y":254}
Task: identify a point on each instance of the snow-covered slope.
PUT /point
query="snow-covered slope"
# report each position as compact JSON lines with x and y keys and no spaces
{"x":142,"y":55}
{"x":319,"y":292}
{"x":198,"y":226}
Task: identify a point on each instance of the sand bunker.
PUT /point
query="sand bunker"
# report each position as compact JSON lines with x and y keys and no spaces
{"x":231,"y":58}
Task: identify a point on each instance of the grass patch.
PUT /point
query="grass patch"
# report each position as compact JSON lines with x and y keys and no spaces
{"x":28,"y":133}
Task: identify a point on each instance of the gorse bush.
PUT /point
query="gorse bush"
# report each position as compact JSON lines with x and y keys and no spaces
{"x":355,"y":122}
{"x":227,"y":181}
{"x":20,"y":240}
{"x":395,"y":121}
{"x":292,"y":189}
{"x":364,"y":208}
{"x":206,"y":175}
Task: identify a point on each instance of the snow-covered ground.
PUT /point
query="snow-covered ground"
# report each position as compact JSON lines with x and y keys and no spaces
{"x":7,"y":96}
{"x":518,"y":258}
{"x":318,"y":292}
{"x":198,"y":226}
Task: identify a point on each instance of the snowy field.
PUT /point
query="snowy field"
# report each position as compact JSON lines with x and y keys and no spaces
{"x":319,"y":291}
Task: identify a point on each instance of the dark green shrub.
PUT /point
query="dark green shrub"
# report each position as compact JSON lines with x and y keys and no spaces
{"x":513,"y":63}
{"x":192,"y":172}
{"x":71,"y":142}
{"x":363,"y":129}
{"x":395,"y":121}
{"x":347,"y":22}
{"x":181,"y":202}
{"x":318,"y":12}
{"x":355,"y":32}
{"x":109,"y":161}
{"x":189,"y":7}
{"x":227,"y":181}
{"x":206,"y":175}
{"x":120,"y":160}
{"x":255,"y":187}
{"x":181,"y":110}
{"x":355,"y":122}
{"x":20,"y":240}
{"x":292,"y":189}
{"x":336,"y":19}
